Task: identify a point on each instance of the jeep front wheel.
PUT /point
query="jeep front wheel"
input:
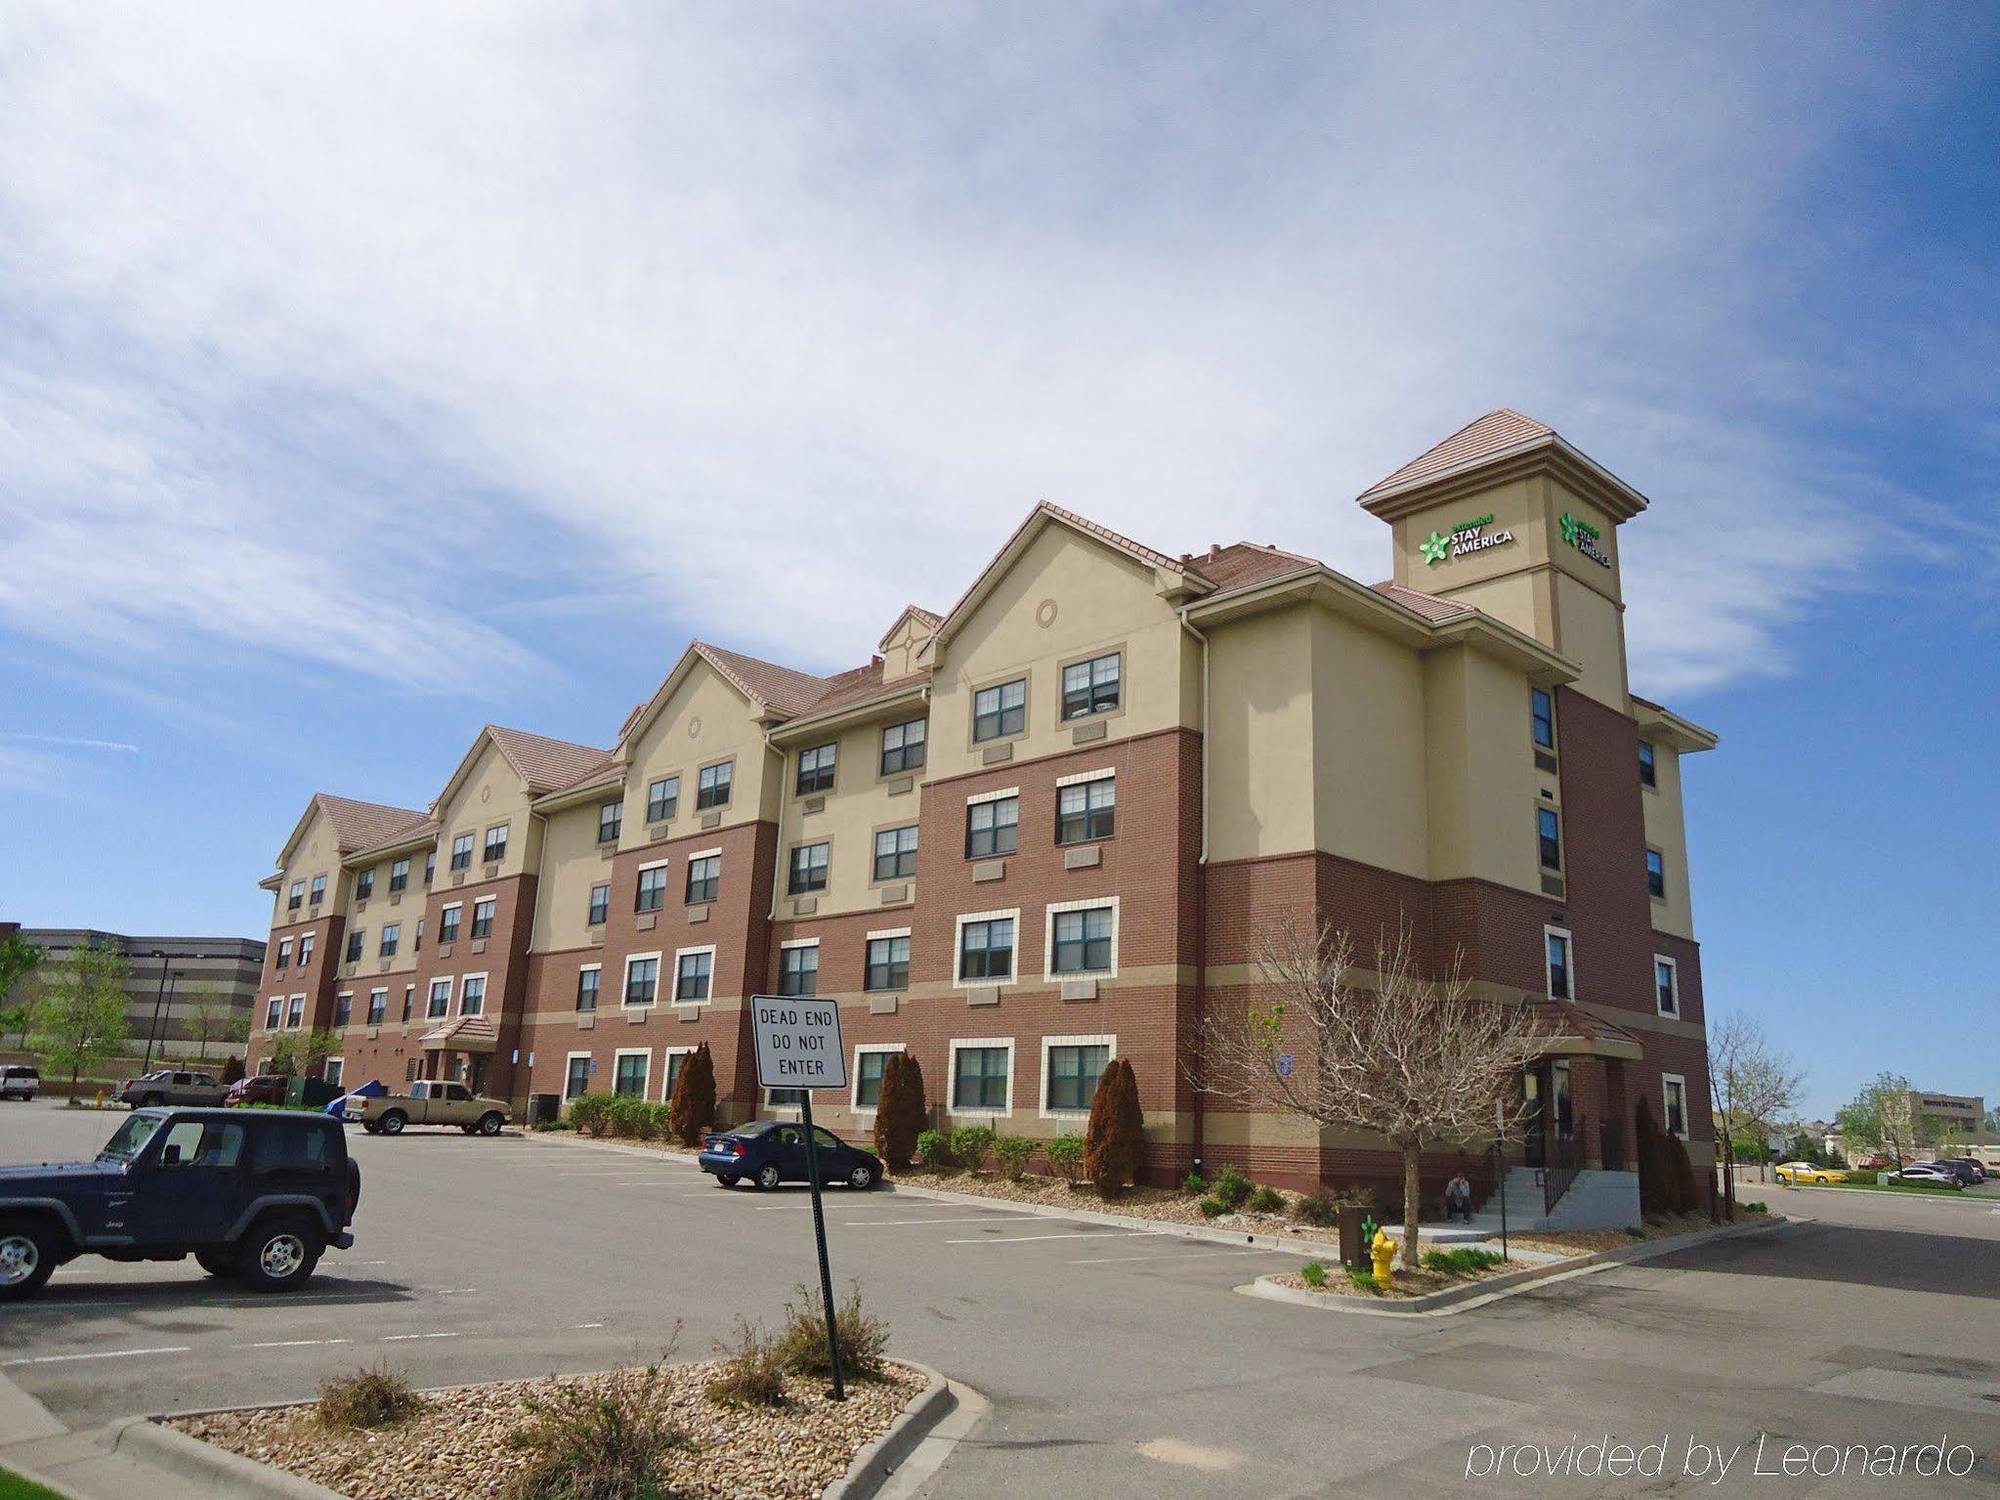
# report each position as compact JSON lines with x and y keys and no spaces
{"x":27,"y":1257}
{"x":394,"y":1121}
{"x":490,"y":1122}
{"x":280,"y":1253}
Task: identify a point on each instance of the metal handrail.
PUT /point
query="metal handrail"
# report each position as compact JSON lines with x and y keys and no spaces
{"x":1562,"y":1161}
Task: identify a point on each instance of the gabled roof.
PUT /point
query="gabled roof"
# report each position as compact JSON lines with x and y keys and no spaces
{"x":543,"y":763}
{"x":1243,"y":563}
{"x":1497,"y":432}
{"x":1502,"y":442}
{"x":923,"y":616}
{"x":784,"y":690}
{"x":355,"y":825}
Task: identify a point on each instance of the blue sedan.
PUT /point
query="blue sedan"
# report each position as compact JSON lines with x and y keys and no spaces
{"x":769,"y":1152}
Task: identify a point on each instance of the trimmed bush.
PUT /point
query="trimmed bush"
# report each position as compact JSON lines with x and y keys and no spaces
{"x":1066,"y":1153}
{"x":548,"y":1125}
{"x":367,"y":1398}
{"x":1013,"y":1153}
{"x":1117,"y":1129}
{"x":1212,"y":1208}
{"x":586,"y":1445}
{"x":753,"y":1374}
{"x":1319,"y":1209}
{"x":970,"y":1143}
{"x":801,"y":1345}
{"x":1233,"y":1188}
{"x":1313,"y":1274}
{"x":693,"y":1107}
{"x":1682,"y":1197}
{"x":1194,"y":1184}
{"x":901,"y":1112}
{"x":933,"y":1150}
{"x":633,"y":1118}
{"x":1266,"y":1200}
{"x":591,"y":1113}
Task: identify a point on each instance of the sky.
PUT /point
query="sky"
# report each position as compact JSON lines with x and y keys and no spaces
{"x":369,"y":372}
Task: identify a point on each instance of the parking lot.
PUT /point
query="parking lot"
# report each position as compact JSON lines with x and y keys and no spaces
{"x":1116,"y":1360}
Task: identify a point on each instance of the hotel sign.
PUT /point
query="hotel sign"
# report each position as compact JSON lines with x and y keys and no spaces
{"x":1467,"y":536}
{"x":1584,"y":537}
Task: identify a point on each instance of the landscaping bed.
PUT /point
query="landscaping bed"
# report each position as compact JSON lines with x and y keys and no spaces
{"x":1444,"y":1268}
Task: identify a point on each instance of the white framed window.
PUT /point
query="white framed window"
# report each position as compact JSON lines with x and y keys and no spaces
{"x":576,"y":1074}
{"x":1666,"y":985}
{"x":982,"y":1077}
{"x":704,"y":876}
{"x":296,"y":1016}
{"x":343,"y":1009}
{"x":472,"y":995}
{"x":694,"y":974}
{"x":1559,"y":962}
{"x":1674,"y":1104}
{"x":985,"y":949}
{"x":632,"y":1072}
{"x":274,"y":1013}
{"x":589,"y":985}
{"x":798,"y":966}
{"x":1080,"y":939}
{"x":642,"y":980}
{"x":1071,"y":1066}
{"x":448,"y":921}
{"x":676,"y":1059}
{"x":334,"y":1070}
{"x":439,"y":1005}
{"x":378,"y":1007}
{"x":887,"y":960}
{"x":482,"y":916}
{"x":284,"y":954}
{"x":306,"y":942}
{"x":871,"y":1061}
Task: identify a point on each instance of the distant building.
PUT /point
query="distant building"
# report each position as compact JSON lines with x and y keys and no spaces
{"x":168,"y":977}
{"x":1960,"y":1114}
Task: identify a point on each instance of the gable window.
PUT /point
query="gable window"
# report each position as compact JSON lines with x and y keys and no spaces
{"x":284,"y":959}
{"x":1562,"y":977}
{"x":296,"y":897}
{"x":496,"y":844}
{"x":482,"y":916}
{"x":306,"y":948}
{"x":711,"y":787}
{"x":610,"y":822}
{"x":1649,"y":770}
{"x":1091,"y":687}
{"x":979,"y":1077}
{"x":399,"y":877}
{"x":600,"y":905}
{"x":1666,"y":985}
{"x":318,"y":889}
{"x":1542,"y":714}
{"x":364,"y":885}
{"x":704,"y":879}
{"x":439,"y":1004}
{"x":1084,"y":941}
{"x":1071,"y":1073}
{"x":889,"y":961}
{"x":663,"y":799}
{"x":985,"y":949}
{"x":642,"y":979}
{"x":896,"y":853}
{"x":809,"y":868}
{"x":631,"y":1072}
{"x":1675,"y":1089}
{"x":652,"y":889}
{"x":343,"y":1011}
{"x":903,"y":747}
{"x":378,"y":1007}
{"x":589,"y":980}
{"x":1656,"y":875}
{"x":798,"y":970}
{"x":274,"y":1012}
{"x":472,"y":995}
{"x":576,"y":1077}
{"x":1087,"y":811}
{"x":1000,"y":711}
{"x":1548,"y":825}
{"x":993,"y":826}
{"x":461,"y":853}
{"x":695,"y":970}
{"x":448,"y":923}
{"x":816,"y":769}
{"x":430,"y":869}
{"x":356,"y":940}
{"x":392,"y":938}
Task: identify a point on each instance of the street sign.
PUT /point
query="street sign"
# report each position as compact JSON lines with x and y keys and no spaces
{"x":798,"y":1042}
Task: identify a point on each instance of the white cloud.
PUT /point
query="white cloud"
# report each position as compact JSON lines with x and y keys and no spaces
{"x":811,"y":309}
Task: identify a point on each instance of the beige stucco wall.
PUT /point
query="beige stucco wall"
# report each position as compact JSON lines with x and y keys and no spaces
{"x":1481,"y":779}
{"x":490,"y":793}
{"x":317,"y":852}
{"x":861,"y":802}
{"x":1590,"y":630}
{"x":1369,"y":737}
{"x":571,"y":865}
{"x":1515,"y":506}
{"x":1260,"y":735}
{"x":1666,"y":831}
{"x":705,"y":720}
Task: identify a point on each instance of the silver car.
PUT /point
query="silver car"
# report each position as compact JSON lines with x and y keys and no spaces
{"x":19,"y":1081}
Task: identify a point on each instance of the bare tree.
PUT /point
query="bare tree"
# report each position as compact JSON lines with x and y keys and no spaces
{"x":1751,"y":1087}
{"x":211,"y":1019}
{"x":1422,"y":1062}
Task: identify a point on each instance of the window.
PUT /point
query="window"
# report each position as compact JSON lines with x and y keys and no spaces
{"x":785,"y":1098}
{"x":1676,"y":1091}
{"x":903,"y":747}
{"x":318,"y":889}
{"x":295,"y":898}
{"x":704,"y":878}
{"x":889,"y":962}
{"x":297,"y":1013}
{"x":1656,"y":875}
{"x":576,"y":1077}
{"x":200,"y":1143}
{"x":430,"y":869}
{"x":472,"y":995}
{"x":816,"y":769}
{"x":1649,"y":770}
{"x":610,"y":822}
{"x":871,"y":1065}
{"x":642,"y":980}
{"x":284,"y":960}
{"x":399,"y":877}
{"x":676,"y":1058}
{"x":482,"y":916}
{"x":392,"y":937}
{"x":1084,"y":941}
{"x":1561,"y":975}
{"x":600,"y":905}
{"x":588,"y":981}
{"x":355,"y":941}
{"x":993,"y":826}
{"x":420,"y":935}
{"x":985,"y":949}
{"x":364,"y":885}
{"x":343,"y":1011}
{"x":979,"y":1074}
{"x":1072,"y":1069}
{"x":712,"y":786}
{"x":496,"y":845}
{"x":663,"y":799}
{"x":896,"y":853}
{"x":294,"y":1146}
{"x":633,"y":1068}
{"x":1542,"y":711}
{"x":1666,"y":985}
{"x":378,"y":1007}
{"x":798,"y":969}
{"x":696,"y":969}
{"x":652,"y":889}
{"x":274,"y":1013}
{"x":1548,"y":825}
{"x":809,"y":868}
{"x":1000,"y":711}
{"x":306,"y":948}
{"x":461,"y":853}
{"x":1091,"y":687}
{"x":439,"y":1005}
{"x":448,"y":923}
{"x":409,"y":1001}
{"x":1087,"y":810}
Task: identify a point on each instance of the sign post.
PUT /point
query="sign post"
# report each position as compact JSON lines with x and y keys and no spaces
{"x":798,"y":1047}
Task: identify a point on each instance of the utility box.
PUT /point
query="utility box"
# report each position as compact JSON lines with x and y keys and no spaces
{"x":544,"y":1108}
{"x":1353,"y":1249}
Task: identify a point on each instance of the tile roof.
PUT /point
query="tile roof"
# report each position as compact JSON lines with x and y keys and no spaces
{"x":1568,"y":1021}
{"x":545,"y":763}
{"x":1496,"y":432}
{"x":1243,"y":563}
{"x":365,"y":825}
{"x":464,"y":1034}
{"x":1430,"y":606}
{"x":786,"y":689}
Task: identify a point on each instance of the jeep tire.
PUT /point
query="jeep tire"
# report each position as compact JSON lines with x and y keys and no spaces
{"x":216,"y":1262}
{"x":279,"y":1252}
{"x":490,"y":1123}
{"x":29,"y":1248}
{"x":393,"y":1122}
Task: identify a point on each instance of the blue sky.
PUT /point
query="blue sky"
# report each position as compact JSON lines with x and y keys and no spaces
{"x":368,"y":374}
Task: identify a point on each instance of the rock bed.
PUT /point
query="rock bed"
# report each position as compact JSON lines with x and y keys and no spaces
{"x":456,"y":1448}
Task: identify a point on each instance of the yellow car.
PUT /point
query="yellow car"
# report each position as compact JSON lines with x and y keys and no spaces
{"x":1796,"y":1172}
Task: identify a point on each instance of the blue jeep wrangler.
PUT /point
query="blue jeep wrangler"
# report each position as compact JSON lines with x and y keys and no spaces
{"x":254,"y":1194}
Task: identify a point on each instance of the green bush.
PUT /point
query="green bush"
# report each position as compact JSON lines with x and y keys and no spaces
{"x":801,"y":1344}
{"x":1313,"y":1274}
{"x":970,"y":1143}
{"x":593,"y":1444}
{"x":753,"y":1374}
{"x":547,"y":1125}
{"x":1194,"y":1184}
{"x":591,"y":1113}
{"x":1320,"y":1209}
{"x":367,"y":1398}
{"x":1212,"y":1208}
{"x":632,"y":1118}
{"x":1364,"y":1281}
{"x":1461,"y":1261}
{"x":933,"y":1150}
{"x":1065,"y":1154}
{"x":1267,"y":1200}
{"x":1233,"y":1188}
{"x":1013,"y":1153}
{"x":1753,"y":1208}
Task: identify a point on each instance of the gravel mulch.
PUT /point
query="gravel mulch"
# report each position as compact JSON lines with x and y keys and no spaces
{"x":1158,"y":1205}
{"x":456,"y":1447}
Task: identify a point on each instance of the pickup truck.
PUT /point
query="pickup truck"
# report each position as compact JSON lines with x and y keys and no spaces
{"x":168,"y":1086}
{"x":430,"y":1102}
{"x":254,"y":1196}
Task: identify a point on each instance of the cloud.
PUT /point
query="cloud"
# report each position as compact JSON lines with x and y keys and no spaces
{"x":71,"y":742}
{"x":370,"y":336}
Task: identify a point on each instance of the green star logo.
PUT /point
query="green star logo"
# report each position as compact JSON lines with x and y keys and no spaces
{"x":1435,"y":548}
{"x":1572,"y":532}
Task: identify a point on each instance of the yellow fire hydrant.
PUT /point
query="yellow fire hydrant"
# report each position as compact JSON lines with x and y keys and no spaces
{"x":1384,"y":1250}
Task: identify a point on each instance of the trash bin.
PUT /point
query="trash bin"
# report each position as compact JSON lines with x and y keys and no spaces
{"x":543,"y":1108}
{"x":295,"y":1092}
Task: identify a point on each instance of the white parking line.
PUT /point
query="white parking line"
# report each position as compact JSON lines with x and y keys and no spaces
{"x":1105,"y":1260}
{"x":1022,"y":1239}
{"x":291,"y":1344}
{"x":57,"y":1359}
{"x":965,"y":1219}
{"x":404,"y":1338}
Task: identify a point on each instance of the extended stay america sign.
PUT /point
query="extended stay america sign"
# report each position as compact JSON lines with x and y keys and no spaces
{"x":798,"y":1042}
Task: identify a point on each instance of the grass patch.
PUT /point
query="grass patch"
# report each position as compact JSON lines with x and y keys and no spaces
{"x":1364,"y":1281}
{"x":1313,"y":1274}
{"x":14,"y":1487}
{"x":367,"y":1398}
{"x":582,"y":1444}
{"x":1933,"y":1188}
{"x":1461,"y":1261}
{"x":753,"y":1374}
{"x":801,"y":1344}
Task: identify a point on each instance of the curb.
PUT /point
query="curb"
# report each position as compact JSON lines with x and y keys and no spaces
{"x":874,"y":1464}
{"x":215,"y":1469}
{"x":1459,"y":1299}
{"x":1992,"y":1200}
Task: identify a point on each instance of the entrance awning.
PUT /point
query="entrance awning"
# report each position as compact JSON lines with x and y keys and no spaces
{"x":1580,"y":1034}
{"x":466,"y":1034}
